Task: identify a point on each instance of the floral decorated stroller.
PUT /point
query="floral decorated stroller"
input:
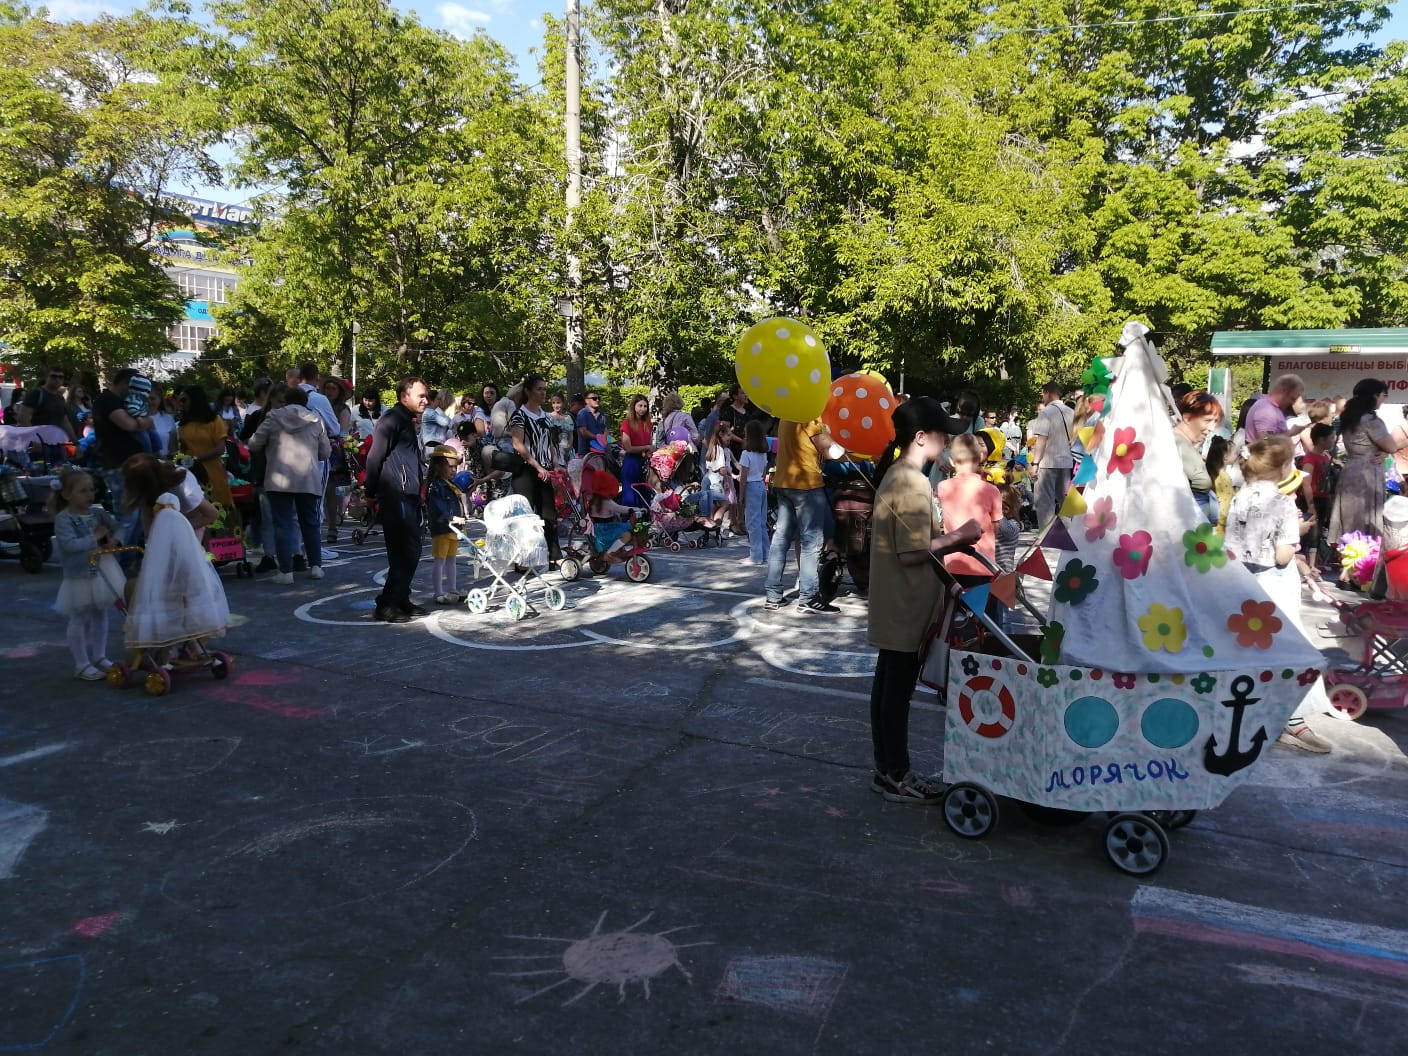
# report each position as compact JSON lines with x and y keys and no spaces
{"x":1145,"y":710}
{"x":513,"y":543}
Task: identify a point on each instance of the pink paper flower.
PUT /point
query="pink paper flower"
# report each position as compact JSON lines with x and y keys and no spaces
{"x":1125,"y":452}
{"x":1133,"y":553}
{"x":1100,"y":519}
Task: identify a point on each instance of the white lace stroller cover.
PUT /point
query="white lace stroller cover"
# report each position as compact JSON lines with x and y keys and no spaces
{"x":514,"y":533}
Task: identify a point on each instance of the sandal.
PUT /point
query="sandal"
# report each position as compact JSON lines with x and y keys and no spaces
{"x":89,"y":673}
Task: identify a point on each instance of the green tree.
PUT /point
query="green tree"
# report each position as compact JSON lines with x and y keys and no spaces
{"x":96,"y":121}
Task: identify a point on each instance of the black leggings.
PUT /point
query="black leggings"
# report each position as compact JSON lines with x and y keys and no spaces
{"x":540,"y":495}
{"x":896,"y":675}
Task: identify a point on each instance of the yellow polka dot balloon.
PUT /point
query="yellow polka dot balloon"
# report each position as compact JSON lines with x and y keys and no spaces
{"x":784,"y":369}
{"x":858,"y":413}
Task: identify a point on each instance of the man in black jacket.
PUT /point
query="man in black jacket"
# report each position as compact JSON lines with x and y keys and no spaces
{"x":396,"y":477}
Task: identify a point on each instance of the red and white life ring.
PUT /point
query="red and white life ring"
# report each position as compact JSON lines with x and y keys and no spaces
{"x":998,"y":727}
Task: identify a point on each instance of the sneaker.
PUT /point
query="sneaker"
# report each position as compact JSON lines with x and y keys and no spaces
{"x":282,"y":578}
{"x":266,"y":564}
{"x":89,"y":673}
{"x":773,"y":606}
{"x":316,"y":572}
{"x":387,"y":615}
{"x":908,"y":789}
{"x":816,"y":605}
{"x":1299,"y":735}
{"x":300,"y":563}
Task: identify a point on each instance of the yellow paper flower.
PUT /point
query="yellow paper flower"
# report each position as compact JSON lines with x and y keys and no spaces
{"x":1163,"y":629}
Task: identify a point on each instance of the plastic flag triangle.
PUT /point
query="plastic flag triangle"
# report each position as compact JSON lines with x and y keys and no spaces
{"x":1085,"y":434}
{"x":1004,"y":589}
{"x":1035,"y":566}
{"x":1089,"y":469}
{"x":1073,"y":505}
{"x":1058,"y":537}
{"x":976,"y":598}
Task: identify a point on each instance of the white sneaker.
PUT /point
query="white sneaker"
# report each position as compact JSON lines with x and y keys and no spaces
{"x":316,"y":572}
{"x":283,"y":578}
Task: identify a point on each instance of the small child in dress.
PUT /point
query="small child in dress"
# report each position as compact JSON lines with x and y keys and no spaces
{"x":444,"y":506}
{"x":1009,"y":528}
{"x":1263,"y":532}
{"x":611,"y":522}
{"x":139,"y":392}
{"x":753,"y":488}
{"x":90,"y":588}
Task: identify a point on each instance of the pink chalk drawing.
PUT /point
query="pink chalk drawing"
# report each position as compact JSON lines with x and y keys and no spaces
{"x":807,"y":985}
{"x":605,"y":958}
{"x":244,"y":690}
{"x":94,"y":927}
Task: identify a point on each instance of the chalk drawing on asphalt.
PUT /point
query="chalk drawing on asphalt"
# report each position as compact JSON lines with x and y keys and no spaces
{"x":52,"y":989}
{"x":173,"y":758}
{"x":806,"y":985}
{"x":20,"y":824}
{"x":161,"y":828}
{"x":604,"y":958}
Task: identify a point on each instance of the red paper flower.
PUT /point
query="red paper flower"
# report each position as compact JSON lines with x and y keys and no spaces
{"x":1255,"y":625}
{"x":1124,"y":681}
{"x":1125,"y":452}
{"x":1133,"y":553}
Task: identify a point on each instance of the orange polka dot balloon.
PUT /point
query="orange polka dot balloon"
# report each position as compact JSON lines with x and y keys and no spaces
{"x":858,"y":414}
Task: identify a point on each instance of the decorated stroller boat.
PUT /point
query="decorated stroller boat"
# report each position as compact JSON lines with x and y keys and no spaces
{"x":1163,"y":667}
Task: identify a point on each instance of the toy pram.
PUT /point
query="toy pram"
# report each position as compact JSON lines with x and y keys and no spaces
{"x":674,"y":513}
{"x":579,"y":549}
{"x":225,"y":539}
{"x":1381,"y":679}
{"x":26,"y":525}
{"x":362,"y":509}
{"x":513,"y":542}
{"x":156,"y":669}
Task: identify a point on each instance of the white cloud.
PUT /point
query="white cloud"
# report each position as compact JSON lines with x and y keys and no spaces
{"x":84,"y":10}
{"x":462,"y":21}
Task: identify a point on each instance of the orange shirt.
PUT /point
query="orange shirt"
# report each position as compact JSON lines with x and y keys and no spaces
{"x":964,"y":497}
{"x":798,"y":463}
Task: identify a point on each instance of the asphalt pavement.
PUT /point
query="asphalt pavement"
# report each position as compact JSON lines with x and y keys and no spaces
{"x":642,"y":824}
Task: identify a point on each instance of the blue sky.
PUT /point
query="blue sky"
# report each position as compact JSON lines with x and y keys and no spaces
{"x":517,"y":24}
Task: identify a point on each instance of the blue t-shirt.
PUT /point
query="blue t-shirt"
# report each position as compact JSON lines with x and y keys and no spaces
{"x":586,"y":419}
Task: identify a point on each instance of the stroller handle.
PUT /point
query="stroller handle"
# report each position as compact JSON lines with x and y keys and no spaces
{"x":980,"y":557}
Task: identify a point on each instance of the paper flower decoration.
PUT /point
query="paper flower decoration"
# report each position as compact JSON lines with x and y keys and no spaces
{"x":1100,"y":519}
{"x":1123,"y":680}
{"x":1202,"y":549}
{"x":1051,"y":642}
{"x":1125,"y":452}
{"x":1255,"y":625}
{"x":1133,"y":553}
{"x":1163,"y":629}
{"x":1097,"y":376}
{"x":1075,"y":582}
{"x":1203,"y":683}
{"x":1047,"y":677}
{"x":970,"y":666}
{"x":1359,"y":554}
{"x":1309,"y":676}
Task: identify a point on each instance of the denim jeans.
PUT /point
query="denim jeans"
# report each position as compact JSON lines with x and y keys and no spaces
{"x":801,"y":514}
{"x":755,"y":518}
{"x":295,"y":515}
{"x":707,"y":495}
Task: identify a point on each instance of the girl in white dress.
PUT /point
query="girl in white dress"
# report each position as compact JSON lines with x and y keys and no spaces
{"x":92,"y":579}
{"x":178,"y":596}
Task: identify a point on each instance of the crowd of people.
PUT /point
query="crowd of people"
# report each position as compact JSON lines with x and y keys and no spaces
{"x":1283,"y":486}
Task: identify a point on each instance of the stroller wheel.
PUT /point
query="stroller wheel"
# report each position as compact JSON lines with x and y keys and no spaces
{"x":221,"y":665}
{"x":674,"y":546}
{"x":569,"y":569}
{"x":358,"y":536}
{"x":118,"y":675}
{"x":1135,"y":844}
{"x":31,"y":558}
{"x":970,"y":810}
{"x":556,"y":598}
{"x":516,"y":607}
{"x":157,"y":682}
{"x":598,"y":565}
{"x":1348,"y":702}
{"x":477,"y":601}
{"x":638,"y":568}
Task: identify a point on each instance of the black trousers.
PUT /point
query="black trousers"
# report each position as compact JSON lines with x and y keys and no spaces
{"x":896,"y":675}
{"x":539,"y":494}
{"x":400,"y":525}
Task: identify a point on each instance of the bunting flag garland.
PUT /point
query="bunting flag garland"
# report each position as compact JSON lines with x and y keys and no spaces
{"x":1004,"y":589}
{"x":1087,"y":472}
{"x":1058,"y":537}
{"x":1085,"y":434}
{"x":1073,"y":505}
{"x":1035,"y":566}
{"x":976,"y":598}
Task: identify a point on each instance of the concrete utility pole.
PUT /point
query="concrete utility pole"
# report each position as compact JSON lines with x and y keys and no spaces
{"x":573,"y":81}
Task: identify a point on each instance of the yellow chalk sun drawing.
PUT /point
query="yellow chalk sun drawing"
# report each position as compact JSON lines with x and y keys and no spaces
{"x":612,"y":958}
